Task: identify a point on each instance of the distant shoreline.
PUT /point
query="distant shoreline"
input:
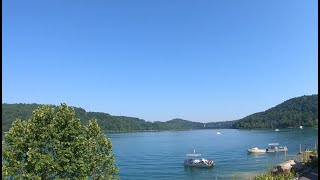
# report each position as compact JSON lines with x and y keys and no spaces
{"x":203,"y":129}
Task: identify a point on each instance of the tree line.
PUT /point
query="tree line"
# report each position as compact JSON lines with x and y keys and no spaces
{"x":295,"y":112}
{"x":107,"y":122}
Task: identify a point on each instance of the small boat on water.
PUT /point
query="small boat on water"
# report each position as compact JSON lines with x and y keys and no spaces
{"x":276,"y":130}
{"x":273,"y":147}
{"x":301,"y":127}
{"x":218,"y":132}
{"x":256,"y":150}
{"x":193,"y":162}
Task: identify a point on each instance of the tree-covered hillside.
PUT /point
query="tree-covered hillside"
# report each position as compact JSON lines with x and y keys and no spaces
{"x":295,"y":112}
{"x":291,"y":113}
{"x":107,"y":122}
{"x":221,"y":125}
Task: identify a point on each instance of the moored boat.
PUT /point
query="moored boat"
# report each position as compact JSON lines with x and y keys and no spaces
{"x":256,"y":150}
{"x":193,"y":162}
{"x":273,"y":147}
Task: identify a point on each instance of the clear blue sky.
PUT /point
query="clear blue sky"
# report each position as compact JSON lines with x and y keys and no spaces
{"x":209,"y":60}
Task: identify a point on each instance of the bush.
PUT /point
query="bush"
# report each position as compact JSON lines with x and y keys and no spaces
{"x":278,"y":176}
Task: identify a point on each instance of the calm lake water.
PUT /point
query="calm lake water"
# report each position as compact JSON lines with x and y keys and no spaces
{"x":160,"y":155}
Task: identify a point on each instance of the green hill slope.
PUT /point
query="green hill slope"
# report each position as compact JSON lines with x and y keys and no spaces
{"x":295,"y":112}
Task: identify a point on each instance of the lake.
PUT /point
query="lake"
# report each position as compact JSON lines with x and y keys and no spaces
{"x":160,"y":155}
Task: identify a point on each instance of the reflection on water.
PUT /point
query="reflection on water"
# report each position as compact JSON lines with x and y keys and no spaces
{"x":255,"y":155}
{"x":198,"y":171}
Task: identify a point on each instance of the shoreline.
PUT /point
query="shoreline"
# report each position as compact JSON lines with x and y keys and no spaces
{"x":257,"y":129}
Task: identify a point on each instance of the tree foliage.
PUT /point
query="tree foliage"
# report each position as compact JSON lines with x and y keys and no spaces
{"x":53,"y":144}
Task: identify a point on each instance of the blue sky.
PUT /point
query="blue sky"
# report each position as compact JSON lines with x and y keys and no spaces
{"x":210,"y":60}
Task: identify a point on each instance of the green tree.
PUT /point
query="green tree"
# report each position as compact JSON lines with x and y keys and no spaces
{"x":99,"y":147}
{"x":53,"y":144}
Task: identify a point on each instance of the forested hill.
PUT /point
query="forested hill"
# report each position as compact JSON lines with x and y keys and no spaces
{"x":295,"y":112}
{"x":291,"y":113}
{"x":107,"y":122}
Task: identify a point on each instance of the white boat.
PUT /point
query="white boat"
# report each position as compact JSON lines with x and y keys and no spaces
{"x":282,"y":148}
{"x":218,"y":132}
{"x":273,"y":147}
{"x":276,"y":130}
{"x":256,"y":150}
{"x":300,"y":127}
{"x":193,"y":162}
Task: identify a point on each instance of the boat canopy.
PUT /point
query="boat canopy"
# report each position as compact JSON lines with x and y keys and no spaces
{"x":273,"y":144}
{"x":193,"y":155}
